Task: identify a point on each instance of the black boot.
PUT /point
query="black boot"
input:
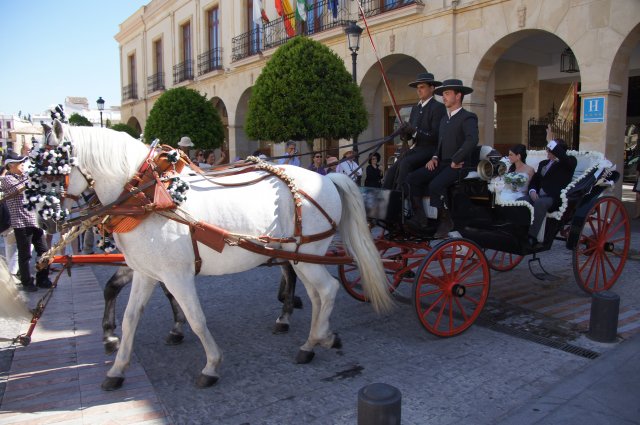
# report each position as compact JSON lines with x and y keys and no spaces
{"x":445,"y":224}
{"x":29,"y":286}
{"x":418,"y":223}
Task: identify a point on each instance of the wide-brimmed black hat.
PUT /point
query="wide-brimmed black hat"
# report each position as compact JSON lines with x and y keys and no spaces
{"x":427,"y":78}
{"x":453,"y":84}
{"x":13,"y":157}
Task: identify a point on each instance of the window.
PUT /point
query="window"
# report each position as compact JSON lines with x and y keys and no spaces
{"x":186,"y":42}
{"x":131,"y":65}
{"x":213,"y":29}
{"x":157,"y":56}
{"x":9,"y":125}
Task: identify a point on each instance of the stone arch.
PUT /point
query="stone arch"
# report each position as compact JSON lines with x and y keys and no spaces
{"x":135,"y":124}
{"x":400,"y":69}
{"x":524,"y":65}
{"x":242,"y":146}
{"x":221,"y":108}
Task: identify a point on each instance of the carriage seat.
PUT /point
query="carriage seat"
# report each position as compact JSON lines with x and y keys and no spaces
{"x":589,"y":166}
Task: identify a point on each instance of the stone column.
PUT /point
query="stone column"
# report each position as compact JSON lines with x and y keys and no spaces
{"x":603,"y":135}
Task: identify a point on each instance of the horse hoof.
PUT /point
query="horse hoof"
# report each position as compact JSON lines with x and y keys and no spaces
{"x":297,"y":302}
{"x":281,"y":328}
{"x":174,"y":339}
{"x":304,"y":357}
{"x":112,"y":384}
{"x":205,"y":381}
{"x":111,"y":345}
{"x":337,"y":342}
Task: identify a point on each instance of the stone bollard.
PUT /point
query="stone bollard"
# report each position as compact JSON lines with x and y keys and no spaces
{"x":379,"y":404}
{"x":603,"y":323}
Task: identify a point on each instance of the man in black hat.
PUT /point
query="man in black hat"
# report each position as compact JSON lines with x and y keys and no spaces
{"x":24,"y":223}
{"x":553,"y":175}
{"x":458,"y":137}
{"x":422,"y":128}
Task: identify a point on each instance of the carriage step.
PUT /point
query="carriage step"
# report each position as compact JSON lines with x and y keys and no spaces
{"x":541,"y":274}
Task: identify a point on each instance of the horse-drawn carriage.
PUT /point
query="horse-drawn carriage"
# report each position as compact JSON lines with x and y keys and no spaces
{"x":451,"y":277}
{"x":256,"y":212}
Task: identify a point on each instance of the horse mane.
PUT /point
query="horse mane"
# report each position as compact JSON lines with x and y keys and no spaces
{"x":108,"y":152}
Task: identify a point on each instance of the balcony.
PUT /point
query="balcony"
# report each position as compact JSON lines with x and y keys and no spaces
{"x":273,"y":34}
{"x":130,"y":92}
{"x":155,"y":82}
{"x":210,"y":61}
{"x":183,"y":71}
{"x":376,"y":7}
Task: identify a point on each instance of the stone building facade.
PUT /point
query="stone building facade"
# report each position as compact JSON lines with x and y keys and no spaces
{"x":571,"y":62}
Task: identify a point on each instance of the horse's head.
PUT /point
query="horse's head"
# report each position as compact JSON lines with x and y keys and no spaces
{"x":52,"y":178}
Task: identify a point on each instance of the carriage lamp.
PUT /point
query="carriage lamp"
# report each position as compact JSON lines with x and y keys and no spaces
{"x":100,"y":103}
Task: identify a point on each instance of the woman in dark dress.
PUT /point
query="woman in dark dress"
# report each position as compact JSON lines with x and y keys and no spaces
{"x":374,"y":173}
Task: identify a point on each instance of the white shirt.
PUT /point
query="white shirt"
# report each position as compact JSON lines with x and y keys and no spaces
{"x":347,"y":168}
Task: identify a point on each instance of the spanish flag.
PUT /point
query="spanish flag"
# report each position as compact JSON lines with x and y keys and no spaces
{"x":285,"y":9}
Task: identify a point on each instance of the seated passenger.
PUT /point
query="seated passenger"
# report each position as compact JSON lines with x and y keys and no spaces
{"x":458,"y":137}
{"x":553,"y":175}
{"x":518,"y":175}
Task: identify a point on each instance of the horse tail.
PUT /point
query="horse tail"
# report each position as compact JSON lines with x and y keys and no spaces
{"x":356,"y":236}
{"x":11,"y":304}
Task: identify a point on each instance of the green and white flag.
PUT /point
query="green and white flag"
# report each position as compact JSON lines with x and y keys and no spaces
{"x":301,"y":10}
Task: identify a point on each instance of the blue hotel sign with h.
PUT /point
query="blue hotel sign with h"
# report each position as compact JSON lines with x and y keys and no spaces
{"x":593,"y":109}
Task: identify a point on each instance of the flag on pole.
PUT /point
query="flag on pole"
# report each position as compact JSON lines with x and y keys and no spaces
{"x":285,"y":10}
{"x":301,"y":10}
{"x":333,"y":5}
{"x":259,"y":14}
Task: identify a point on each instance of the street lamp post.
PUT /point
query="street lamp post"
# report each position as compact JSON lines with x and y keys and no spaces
{"x":100,"y":103}
{"x":353,"y":32}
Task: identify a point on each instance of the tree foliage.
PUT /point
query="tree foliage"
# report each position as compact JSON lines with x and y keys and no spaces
{"x":127,"y":129}
{"x":305,"y":92}
{"x":184,"y":112}
{"x":79,"y":120}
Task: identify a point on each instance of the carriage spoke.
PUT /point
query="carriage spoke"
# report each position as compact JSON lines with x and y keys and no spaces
{"x":465,"y":316}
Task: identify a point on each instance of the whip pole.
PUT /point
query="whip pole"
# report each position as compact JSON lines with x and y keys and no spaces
{"x":384,"y":74}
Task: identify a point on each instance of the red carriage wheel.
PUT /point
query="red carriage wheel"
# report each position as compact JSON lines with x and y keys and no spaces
{"x":502,"y":261}
{"x":451,"y":287}
{"x":603,"y":246}
{"x":398,"y":261}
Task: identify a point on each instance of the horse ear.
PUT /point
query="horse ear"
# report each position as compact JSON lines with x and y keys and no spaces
{"x":58,"y":130}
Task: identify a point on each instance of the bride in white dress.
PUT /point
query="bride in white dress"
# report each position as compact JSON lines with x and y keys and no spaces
{"x":519,"y":172}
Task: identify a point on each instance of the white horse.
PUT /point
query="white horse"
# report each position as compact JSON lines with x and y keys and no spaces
{"x":160,"y":249}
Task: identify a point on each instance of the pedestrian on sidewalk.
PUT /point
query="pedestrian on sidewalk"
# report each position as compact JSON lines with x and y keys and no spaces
{"x":24,"y":223}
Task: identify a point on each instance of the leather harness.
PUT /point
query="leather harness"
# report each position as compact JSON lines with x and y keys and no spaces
{"x":147,"y":193}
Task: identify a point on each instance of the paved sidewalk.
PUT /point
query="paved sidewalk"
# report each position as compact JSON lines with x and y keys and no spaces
{"x":56,"y":379}
{"x":605,"y":392}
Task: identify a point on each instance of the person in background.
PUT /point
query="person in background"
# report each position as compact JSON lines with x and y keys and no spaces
{"x":185,"y":144}
{"x":200,"y":158}
{"x":349,"y":167}
{"x":373,"y":172}
{"x":332,"y":163}
{"x":291,"y":157}
{"x":316,"y":164}
{"x":25,"y":225}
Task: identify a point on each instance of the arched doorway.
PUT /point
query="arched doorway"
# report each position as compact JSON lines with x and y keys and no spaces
{"x":401,"y":69}
{"x":221,"y":108}
{"x":529,"y":86}
{"x":135,"y":124}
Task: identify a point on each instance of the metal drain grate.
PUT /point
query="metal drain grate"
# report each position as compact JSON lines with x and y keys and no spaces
{"x":563,"y":346}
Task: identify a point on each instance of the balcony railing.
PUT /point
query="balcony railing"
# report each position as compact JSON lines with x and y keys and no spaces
{"x":376,"y":7}
{"x":155,"y":82}
{"x":319,"y":18}
{"x":129,"y":92}
{"x":183,"y":71}
{"x":210,"y":61}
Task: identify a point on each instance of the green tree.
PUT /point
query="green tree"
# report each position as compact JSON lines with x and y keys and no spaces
{"x":79,"y":120}
{"x":184,"y":112}
{"x":305,"y":92}
{"x":127,"y":129}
